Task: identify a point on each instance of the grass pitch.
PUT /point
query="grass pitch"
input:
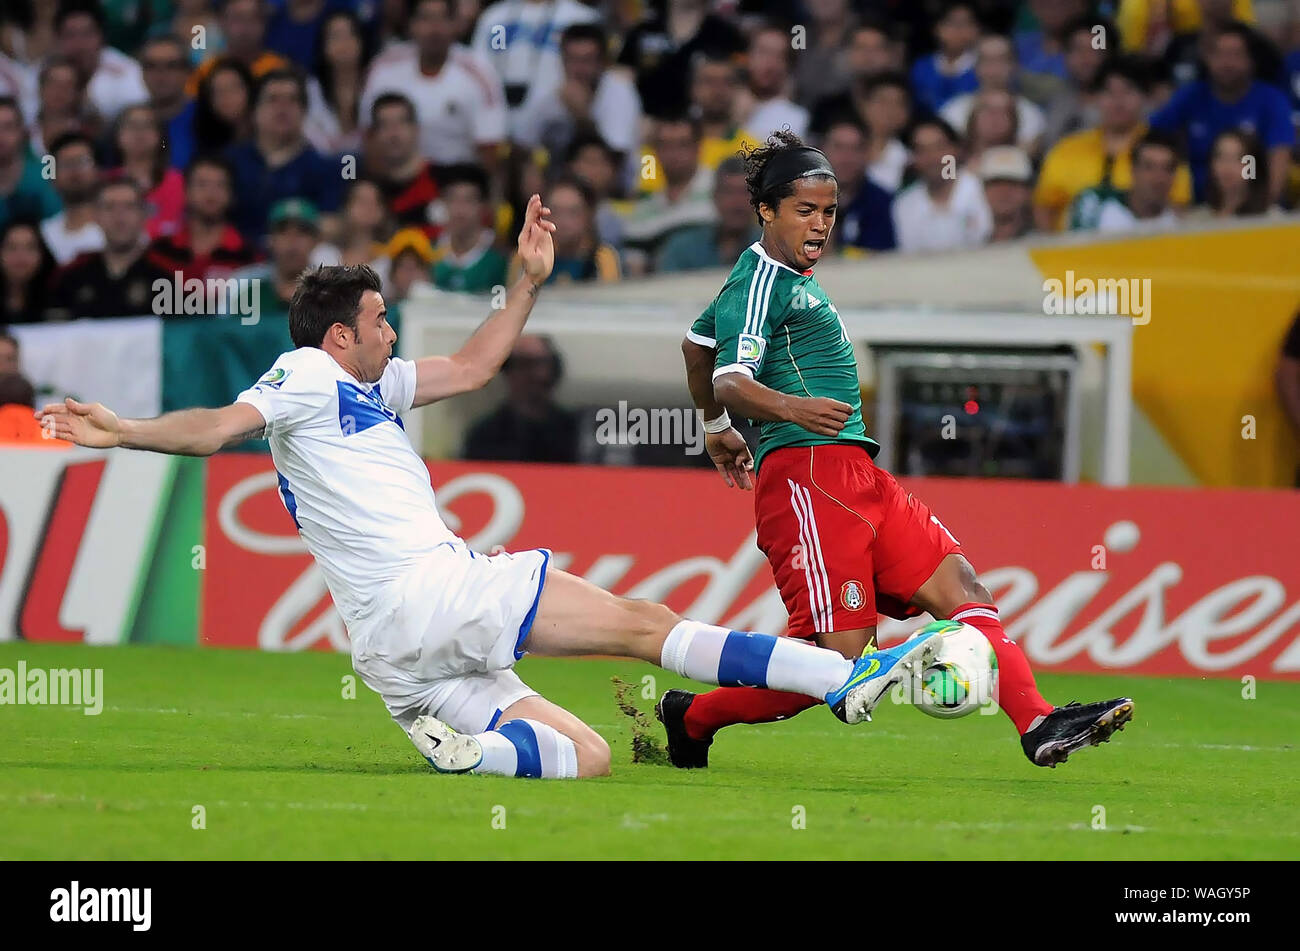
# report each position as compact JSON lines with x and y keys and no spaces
{"x":284,"y":766}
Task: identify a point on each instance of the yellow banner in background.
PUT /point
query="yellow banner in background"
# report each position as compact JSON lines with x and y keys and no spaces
{"x":1207,"y":339}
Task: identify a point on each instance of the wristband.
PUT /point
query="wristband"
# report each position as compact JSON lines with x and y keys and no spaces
{"x":719,"y":425}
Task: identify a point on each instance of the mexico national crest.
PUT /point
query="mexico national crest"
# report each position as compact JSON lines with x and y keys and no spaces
{"x":851,"y":596}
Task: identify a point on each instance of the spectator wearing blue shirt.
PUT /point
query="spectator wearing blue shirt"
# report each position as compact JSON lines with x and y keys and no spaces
{"x":950,"y":71}
{"x":1231,"y":98}
{"x":1292,"y":70}
{"x":1042,"y":51}
{"x":24,"y":191}
{"x":293,"y":28}
{"x":164,"y":61}
{"x":864,"y":219}
{"x":367,"y":11}
{"x":278,"y":163}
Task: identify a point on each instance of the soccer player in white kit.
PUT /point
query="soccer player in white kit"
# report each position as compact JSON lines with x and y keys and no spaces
{"x":436,"y":628}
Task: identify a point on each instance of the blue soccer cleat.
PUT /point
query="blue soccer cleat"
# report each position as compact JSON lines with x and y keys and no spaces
{"x":878,"y":670}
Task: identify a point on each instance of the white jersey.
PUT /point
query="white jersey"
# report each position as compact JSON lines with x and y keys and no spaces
{"x":117,"y":83}
{"x":458,"y":110}
{"x":358,"y":492}
{"x":66,"y":245}
{"x":922,"y":225}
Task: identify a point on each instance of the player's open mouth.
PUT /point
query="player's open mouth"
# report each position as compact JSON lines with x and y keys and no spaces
{"x":812,"y":250}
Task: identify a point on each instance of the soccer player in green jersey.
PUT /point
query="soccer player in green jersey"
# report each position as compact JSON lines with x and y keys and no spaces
{"x":843,"y":538}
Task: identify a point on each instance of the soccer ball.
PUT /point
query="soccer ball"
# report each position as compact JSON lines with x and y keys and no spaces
{"x":962,"y":678}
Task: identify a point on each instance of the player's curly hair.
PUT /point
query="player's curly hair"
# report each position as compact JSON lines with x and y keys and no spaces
{"x":756,"y":159}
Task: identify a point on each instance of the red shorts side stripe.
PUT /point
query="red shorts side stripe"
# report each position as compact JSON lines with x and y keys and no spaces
{"x":846,"y":546}
{"x":819,"y":589}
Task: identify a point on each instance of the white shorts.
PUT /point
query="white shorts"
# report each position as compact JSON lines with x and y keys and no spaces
{"x":469,"y":704}
{"x":448,"y":634}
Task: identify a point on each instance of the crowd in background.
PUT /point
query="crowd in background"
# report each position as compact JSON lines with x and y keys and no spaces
{"x":140,"y":139}
{"x":220,"y":138}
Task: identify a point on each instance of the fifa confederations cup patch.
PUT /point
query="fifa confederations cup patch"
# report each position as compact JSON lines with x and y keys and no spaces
{"x":274,"y":377}
{"x":750,"y":349}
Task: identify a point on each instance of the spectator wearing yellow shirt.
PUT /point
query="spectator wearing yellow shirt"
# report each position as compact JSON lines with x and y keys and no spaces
{"x":1100,"y":156}
{"x":1145,"y":206}
{"x":715,"y":89}
{"x":1147,"y":26}
{"x":243,"y":24}
{"x":410,"y":269}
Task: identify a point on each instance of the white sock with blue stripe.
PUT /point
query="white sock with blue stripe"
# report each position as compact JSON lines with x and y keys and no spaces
{"x":527,"y":748}
{"x":716,"y":655}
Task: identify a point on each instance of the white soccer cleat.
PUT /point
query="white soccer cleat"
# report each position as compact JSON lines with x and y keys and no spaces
{"x":446,"y":750}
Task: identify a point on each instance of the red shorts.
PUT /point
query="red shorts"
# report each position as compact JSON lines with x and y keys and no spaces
{"x":844,"y":540}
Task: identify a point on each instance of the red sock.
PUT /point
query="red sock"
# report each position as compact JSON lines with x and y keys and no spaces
{"x":1017,"y":694}
{"x":710,"y":712}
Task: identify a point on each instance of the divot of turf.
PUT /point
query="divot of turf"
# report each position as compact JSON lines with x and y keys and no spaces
{"x":645,"y":746}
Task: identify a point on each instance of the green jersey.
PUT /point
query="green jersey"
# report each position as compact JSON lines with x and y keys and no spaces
{"x":780,"y":327}
{"x":479,"y":270}
{"x":1085,"y":210}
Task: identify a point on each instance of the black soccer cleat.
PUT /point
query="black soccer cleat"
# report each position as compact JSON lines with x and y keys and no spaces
{"x":1074,"y":726}
{"x":684,"y":751}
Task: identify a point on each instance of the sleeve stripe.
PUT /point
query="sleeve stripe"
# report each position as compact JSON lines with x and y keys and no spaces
{"x":702,"y":340}
{"x":734,"y":368}
{"x":772,"y":274}
{"x":753,"y":294}
{"x":765,"y":276}
{"x":749,"y":298}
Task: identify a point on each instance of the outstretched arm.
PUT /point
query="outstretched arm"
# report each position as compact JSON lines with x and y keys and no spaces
{"x":477,"y":362}
{"x":187,"y":432}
